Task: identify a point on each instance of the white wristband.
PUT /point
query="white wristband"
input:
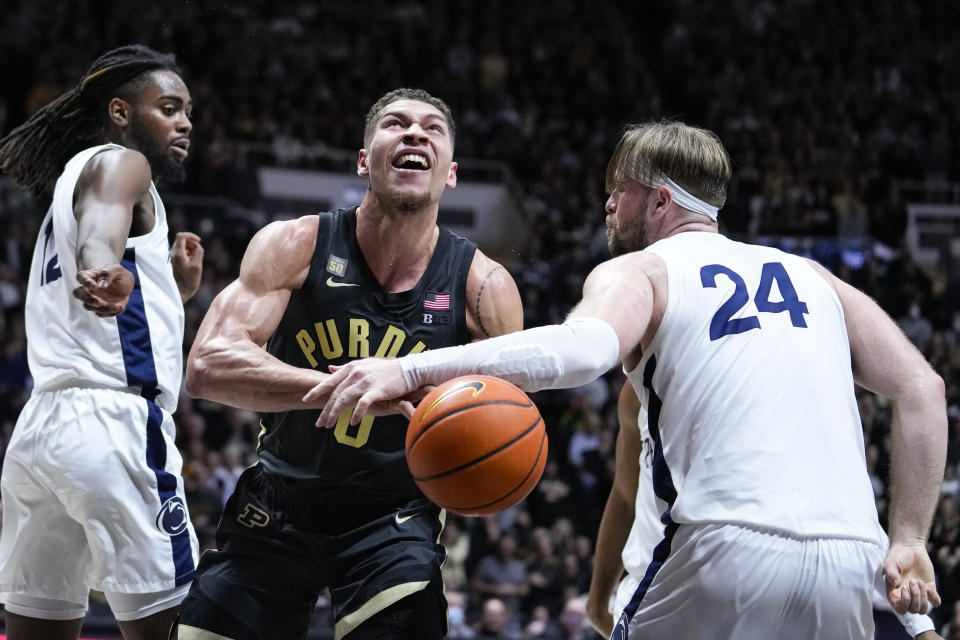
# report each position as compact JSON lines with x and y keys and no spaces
{"x":553,"y":357}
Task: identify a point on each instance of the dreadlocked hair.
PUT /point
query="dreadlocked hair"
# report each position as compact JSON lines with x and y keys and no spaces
{"x":35,"y":152}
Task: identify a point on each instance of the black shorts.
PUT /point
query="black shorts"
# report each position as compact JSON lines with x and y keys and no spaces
{"x":276,"y":554}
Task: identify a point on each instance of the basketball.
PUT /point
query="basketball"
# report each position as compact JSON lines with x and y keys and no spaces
{"x":476,"y":445}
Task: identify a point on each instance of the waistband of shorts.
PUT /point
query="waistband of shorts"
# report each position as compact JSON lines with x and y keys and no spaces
{"x":786,"y":533}
{"x":150,"y":392}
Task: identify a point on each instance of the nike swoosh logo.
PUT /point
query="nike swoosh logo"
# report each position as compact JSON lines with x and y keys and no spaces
{"x":405,"y":518}
{"x":333,"y":283}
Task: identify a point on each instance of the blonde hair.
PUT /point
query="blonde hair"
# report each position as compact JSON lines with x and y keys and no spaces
{"x":694,"y":158}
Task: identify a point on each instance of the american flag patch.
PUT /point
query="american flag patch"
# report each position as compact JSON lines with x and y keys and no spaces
{"x":437,"y":301}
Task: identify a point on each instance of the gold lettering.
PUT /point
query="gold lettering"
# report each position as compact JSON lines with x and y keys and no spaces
{"x":329,"y":339}
{"x":417,"y":348}
{"x":343,"y":426}
{"x":390,"y":345}
{"x":359,"y":346}
{"x":308,"y":346}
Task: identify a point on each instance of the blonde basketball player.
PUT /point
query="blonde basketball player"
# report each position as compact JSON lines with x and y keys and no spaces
{"x":746,"y":359}
{"x":631,"y":528}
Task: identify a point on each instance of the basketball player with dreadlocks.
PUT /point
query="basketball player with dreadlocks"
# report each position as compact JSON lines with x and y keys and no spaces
{"x":91,"y":487}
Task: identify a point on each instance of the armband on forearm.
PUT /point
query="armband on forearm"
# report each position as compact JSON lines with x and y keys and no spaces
{"x":552,"y":357}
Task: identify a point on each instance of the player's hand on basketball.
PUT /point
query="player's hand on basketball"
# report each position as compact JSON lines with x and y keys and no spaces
{"x":929,"y":635}
{"x":911,"y":586}
{"x":186,"y":256}
{"x":370,"y":386}
{"x":105,"y":291}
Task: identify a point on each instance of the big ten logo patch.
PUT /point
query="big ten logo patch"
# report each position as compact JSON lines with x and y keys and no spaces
{"x":172,"y":517}
{"x":436,"y":318}
{"x":253,"y":517}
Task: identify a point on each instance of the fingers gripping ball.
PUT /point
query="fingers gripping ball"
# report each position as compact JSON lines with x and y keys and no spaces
{"x":476,"y":445}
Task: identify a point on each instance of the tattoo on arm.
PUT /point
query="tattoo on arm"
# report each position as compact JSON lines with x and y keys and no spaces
{"x":480,"y":293}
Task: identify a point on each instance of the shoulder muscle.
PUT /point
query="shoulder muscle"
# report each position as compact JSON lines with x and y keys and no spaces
{"x":279,"y":255}
{"x":493,"y":301}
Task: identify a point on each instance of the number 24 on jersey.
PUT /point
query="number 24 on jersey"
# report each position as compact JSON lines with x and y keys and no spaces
{"x":724,"y":324}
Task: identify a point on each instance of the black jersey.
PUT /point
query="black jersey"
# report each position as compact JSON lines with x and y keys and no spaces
{"x":342,"y":313}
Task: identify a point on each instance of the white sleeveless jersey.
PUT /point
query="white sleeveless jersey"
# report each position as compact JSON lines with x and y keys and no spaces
{"x":647,"y":530}
{"x":69,"y":346}
{"x":750,"y":394}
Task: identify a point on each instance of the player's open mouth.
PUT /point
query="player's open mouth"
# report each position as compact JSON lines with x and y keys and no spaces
{"x":412,"y":161}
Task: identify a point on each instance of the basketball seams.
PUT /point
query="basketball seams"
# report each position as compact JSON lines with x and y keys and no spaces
{"x":427,"y":426}
{"x":485,"y":456}
{"x":519,"y":486}
{"x":489,"y":456}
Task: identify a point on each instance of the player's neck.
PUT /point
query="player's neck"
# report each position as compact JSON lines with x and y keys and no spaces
{"x":397,"y":247}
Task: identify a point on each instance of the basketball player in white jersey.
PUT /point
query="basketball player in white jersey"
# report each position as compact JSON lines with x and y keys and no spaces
{"x":91,"y":486}
{"x":631,"y":527}
{"x":746,"y":358}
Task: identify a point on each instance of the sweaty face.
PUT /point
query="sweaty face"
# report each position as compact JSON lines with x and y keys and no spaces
{"x":626,"y":218}
{"x":160,"y":125}
{"x":409,"y":157}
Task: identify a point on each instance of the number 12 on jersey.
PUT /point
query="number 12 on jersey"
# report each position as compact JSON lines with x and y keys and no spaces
{"x":724,"y":324}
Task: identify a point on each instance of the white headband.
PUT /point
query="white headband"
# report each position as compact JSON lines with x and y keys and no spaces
{"x":687,"y":200}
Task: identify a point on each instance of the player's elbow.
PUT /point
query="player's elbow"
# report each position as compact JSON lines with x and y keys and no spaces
{"x":928,"y":386}
{"x":199,"y":374}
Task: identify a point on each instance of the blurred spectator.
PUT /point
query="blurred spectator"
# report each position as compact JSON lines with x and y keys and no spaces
{"x":457,"y":627}
{"x":496,"y":622}
{"x":457,"y":543}
{"x":545,"y":574}
{"x":542,"y":625}
{"x":502,"y":575}
{"x":574,"y":621}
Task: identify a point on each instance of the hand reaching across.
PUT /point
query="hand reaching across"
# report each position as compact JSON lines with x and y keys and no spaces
{"x":186,"y":256}
{"x":372,"y":386}
{"x":106,"y":290}
{"x":911,"y":586}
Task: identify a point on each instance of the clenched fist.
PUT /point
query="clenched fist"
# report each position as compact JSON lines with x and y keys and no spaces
{"x":186,"y":255}
{"x":105,"y":290}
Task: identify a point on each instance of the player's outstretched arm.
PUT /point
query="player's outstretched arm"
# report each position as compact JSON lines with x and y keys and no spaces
{"x":885,"y":362}
{"x":227,"y":362}
{"x":618,"y":515}
{"x":610,"y":321}
{"x":109,"y":188}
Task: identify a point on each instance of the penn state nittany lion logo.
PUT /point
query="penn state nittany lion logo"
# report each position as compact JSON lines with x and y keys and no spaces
{"x":172,"y":519}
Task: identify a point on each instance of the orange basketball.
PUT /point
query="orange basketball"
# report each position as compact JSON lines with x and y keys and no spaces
{"x":476,"y":445}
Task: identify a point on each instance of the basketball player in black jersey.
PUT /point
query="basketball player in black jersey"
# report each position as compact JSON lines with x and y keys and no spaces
{"x":338,"y":508}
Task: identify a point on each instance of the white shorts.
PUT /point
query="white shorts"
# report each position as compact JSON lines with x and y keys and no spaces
{"x":93,"y":499}
{"x":732,"y":582}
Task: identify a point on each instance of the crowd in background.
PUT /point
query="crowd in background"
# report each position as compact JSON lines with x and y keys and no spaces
{"x":826,"y":110}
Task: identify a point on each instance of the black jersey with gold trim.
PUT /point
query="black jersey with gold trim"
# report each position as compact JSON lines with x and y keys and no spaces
{"x":342,"y":313}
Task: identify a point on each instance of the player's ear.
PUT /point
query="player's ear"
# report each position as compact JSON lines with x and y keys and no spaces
{"x":452,"y":175}
{"x":663,"y":198}
{"x":118,"y":111}
{"x":362,"y":169}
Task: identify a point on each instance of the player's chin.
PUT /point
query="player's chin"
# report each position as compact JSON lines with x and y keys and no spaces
{"x":172,"y":169}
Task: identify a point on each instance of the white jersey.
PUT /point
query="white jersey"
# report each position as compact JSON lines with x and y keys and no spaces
{"x":750,"y":393}
{"x":69,"y":346}
{"x":647,"y":530}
